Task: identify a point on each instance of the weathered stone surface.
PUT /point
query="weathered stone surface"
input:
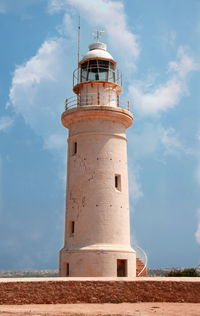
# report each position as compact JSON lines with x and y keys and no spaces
{"x":61,"y":291}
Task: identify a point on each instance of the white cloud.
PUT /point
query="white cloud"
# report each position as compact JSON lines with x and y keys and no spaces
{"x":152,"y":141}
{"x":2,"y":8}
{"x":1,"y":184}
{"x":142,"y":143}
{"x":184,"y":65}
{"x":111,"y":16}
{"x":171,"y":37}
{"x":39,"y":89}
{"x":55,"y":141}
{"x":146,"y":139}
{"x":198,"y":136}
{"x":135,"y":187}
{"x":5,"y":122}
{"x":167,"y":95}
{"x":197,"y":233}
{"x":153,"y":138}
{"x":168,"y":39}
{"x":172,"y":144}
{"x":197,"y":171}
{"x":4,"y":5}
{"x":67,"y":26}
{"x":55,"y":6}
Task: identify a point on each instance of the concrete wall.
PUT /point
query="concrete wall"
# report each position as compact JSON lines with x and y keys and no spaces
{"x":59,"y":291}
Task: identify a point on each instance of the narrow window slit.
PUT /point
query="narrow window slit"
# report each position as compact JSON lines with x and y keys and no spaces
{"x":75,"y":148}
{"x":72,"y":227}
{"x":118,"y":182}
{"x":67,"y":269}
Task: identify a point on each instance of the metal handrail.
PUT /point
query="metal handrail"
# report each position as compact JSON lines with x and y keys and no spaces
{"x":71,"y":102}
{"x":76,"y":101}
{"x":141,"y":254}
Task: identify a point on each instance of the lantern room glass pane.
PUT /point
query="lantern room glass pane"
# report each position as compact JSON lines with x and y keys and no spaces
{"x":84,"y":72}
{"x":97,"y":70}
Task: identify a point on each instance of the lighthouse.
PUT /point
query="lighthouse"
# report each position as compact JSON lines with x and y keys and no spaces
{"x":97,"y":218}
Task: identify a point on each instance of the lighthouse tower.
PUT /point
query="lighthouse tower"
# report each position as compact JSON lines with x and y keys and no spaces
{"x":97,"y":221}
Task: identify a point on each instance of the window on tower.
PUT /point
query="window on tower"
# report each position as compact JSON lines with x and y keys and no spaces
{"x":118,"y":182}
{"x":72,"y":227}
{"x":74,"y":148}
{"x":67,"y":269}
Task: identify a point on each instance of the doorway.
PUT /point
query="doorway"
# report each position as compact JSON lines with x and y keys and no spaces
{"x":121,"y":268}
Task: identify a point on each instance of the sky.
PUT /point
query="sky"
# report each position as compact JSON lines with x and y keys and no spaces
{"x":157,"y":46}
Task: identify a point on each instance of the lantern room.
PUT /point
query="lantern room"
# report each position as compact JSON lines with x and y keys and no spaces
{"x":97,"y":64}
{"x":97,"y":81}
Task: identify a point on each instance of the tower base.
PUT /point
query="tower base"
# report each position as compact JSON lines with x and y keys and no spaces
{"x":87,"y":262}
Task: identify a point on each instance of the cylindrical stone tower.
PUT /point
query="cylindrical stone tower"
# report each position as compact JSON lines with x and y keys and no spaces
{"x":97,"y":222}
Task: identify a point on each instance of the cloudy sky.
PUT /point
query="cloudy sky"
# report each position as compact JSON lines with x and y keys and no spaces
{"x":157,"y":46}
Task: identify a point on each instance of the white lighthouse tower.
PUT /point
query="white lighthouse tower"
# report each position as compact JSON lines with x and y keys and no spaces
{"x":97,"y":221}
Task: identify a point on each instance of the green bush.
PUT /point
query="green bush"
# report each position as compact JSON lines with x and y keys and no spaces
{"x":183,"y":273}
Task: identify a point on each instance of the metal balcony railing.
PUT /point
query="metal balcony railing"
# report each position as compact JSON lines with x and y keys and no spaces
{"x":91,"y":99}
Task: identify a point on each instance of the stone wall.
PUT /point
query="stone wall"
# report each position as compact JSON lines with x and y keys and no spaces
{"x":63,"y":291}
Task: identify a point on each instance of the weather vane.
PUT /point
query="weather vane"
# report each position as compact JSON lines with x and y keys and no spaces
{"x":97,"y":34}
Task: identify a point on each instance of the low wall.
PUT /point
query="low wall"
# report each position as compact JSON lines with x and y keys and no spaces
{"x":71,"y":290}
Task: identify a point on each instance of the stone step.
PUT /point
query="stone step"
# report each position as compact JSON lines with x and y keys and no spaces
{"x":139,"y":267}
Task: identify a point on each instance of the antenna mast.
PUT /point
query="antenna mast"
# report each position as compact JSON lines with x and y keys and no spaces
{"x":79,"y":29}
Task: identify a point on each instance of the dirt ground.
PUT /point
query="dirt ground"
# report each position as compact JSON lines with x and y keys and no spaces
{"x":125,"y":309}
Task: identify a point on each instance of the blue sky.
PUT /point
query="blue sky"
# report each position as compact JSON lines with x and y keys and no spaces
{"x":156,"y":44}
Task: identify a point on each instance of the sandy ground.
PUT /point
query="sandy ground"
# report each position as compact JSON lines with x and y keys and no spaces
{"x":129,"y":309}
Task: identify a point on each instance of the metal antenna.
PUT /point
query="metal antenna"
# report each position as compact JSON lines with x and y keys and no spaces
{"x":97,"y":34}
{"x":78,"y":44}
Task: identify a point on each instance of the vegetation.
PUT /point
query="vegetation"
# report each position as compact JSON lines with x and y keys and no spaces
{"x":183,"y":273}
{"x":28,"y":274}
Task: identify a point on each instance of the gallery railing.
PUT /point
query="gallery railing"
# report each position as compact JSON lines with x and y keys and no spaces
{"x":91,"y":99}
